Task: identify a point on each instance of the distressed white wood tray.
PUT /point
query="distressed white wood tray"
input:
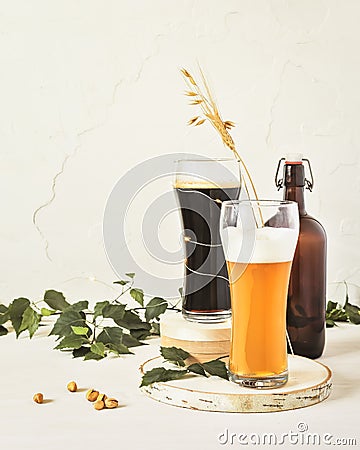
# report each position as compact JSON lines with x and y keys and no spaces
{"x":309,"y":383}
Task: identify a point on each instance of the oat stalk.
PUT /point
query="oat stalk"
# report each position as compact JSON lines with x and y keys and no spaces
{"x":211,"y":113}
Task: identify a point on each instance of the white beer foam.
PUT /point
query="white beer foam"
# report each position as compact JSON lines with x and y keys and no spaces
{"x":260,"y":245}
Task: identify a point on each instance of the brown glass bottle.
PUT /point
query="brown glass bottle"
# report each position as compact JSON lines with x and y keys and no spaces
{"x":307,"y":288}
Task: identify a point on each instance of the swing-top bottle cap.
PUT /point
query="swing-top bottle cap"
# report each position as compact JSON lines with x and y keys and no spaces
{"x":293,"y":158}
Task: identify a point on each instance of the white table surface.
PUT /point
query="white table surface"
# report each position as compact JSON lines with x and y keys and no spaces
{"x":68,"y":421}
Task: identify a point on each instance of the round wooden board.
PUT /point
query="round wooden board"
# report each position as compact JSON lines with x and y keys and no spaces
{"x":204,"y":341}
{"x":309,"y":383}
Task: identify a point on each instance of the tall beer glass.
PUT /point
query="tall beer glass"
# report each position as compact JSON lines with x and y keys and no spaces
{"x":259,"y":239}
{"x":201,"y":186}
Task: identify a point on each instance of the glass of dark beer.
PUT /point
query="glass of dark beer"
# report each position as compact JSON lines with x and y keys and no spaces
{"x":201,"y":186}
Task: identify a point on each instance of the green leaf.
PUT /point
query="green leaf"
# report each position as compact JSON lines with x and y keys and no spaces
{"x":4,"y":318}
{"x":80,"y":331}
{"x":112,"y":338}
{"x":66,"y":320}
{"x":353,"y":313}
{"x":338,"y":315}
{"x":330,"y":306}
{"x":335,"y":312}
{"x":119,"y":349}
{"x":121,"y":282}
{"x":131,"y":321}
{"x":347,"y":293}
{"x":342,"y":317}
{"x":140,"y":334}
{"x":181,"y":291}
{"x":80,"y":352}
{"x":91,"y":355}
{"x":131,"y":341}
{"x":197,"y":368}
{"x":330,"y":323}
{"x":137,"y":295}
{"x":47,"y":312}
{"x":130,"y":274}
{"x":3,"y":331}
{"x":110,"y":335}
{"x":16,"y":311}
{"x":98,"y":309}
{"x":115,"y":312}
{"x":72,"y":341}
{"x":55,"y":300}
{"x":155,"y":329}
{"x":78,"y":306}
{"x":4,"y":314}
{"x":161,"y":374}
{"x":216,"y":368}
{"x":98,"y":348}
{"x":174,"y":355}
{"x":30,"y":321}
{"x":155,"y":307}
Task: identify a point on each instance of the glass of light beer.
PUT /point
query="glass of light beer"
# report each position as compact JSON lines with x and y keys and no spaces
{"x":259,"y":238}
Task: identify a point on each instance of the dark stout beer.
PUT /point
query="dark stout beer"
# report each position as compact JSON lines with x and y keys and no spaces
{"x":206,"y":288}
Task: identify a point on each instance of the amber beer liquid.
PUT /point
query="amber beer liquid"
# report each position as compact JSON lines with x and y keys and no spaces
{"x":259,"y":259}
{"x":259,"y":310}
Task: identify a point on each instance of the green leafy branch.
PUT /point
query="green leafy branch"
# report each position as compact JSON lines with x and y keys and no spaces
{"x":82,"y":331}
{"x":335,"y":312}
{"x":177,"y":356}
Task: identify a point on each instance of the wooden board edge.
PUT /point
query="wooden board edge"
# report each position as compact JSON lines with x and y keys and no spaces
{"x":238,"y":403}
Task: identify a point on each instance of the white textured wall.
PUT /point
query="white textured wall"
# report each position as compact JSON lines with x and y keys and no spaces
{"x":90,"y":88}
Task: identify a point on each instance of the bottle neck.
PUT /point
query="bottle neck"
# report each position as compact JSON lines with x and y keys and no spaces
{"x":296,"y":194}
{"x":294,"y":182}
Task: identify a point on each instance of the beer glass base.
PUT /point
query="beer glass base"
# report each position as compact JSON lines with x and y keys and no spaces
{"x":207,"y":317}
{"x":260,"y":383}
